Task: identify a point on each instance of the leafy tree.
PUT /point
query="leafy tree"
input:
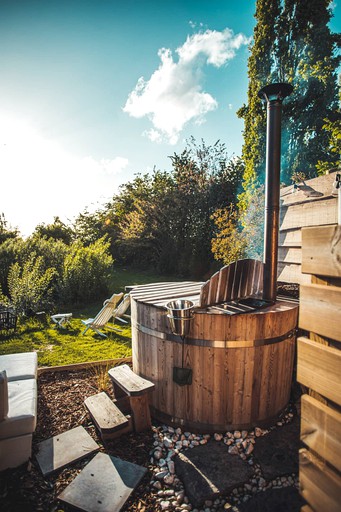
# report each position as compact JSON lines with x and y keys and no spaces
{"x":293,"y":43}
{"x":89,"y":227}
{"x":162,"y":220}
{"x":306,"y":55}
{"x":57,"y":230}
{"x":239,"y":231}
{"x":334,"y":131}
{"x":5,"y":232}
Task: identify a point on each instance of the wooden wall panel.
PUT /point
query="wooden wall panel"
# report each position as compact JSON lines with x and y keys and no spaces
{"x":321,"y":251}
{"x":319,"y":368}
{"x":311,"y":190}
{"x":290,"y":255}
{"x":310,"y":205}
{"x":319,"y":485}
{"x":291,"y":273}
{"x":290,"y":238}
{"x":318,"y":213}
{"x":321,"y":430}
{"x":320,"y":309}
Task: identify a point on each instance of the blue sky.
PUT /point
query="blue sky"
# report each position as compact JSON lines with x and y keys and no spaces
{"x":92,"y":92}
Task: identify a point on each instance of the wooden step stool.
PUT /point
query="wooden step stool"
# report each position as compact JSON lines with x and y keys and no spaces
{"x":137,"y":388}
{"x":109,"y":420}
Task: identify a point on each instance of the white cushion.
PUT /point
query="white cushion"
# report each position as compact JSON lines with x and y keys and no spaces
{"x":22,"y":409}
{"x":20,"y":366}
{"x":15,"y":451}
{"x":3,"y":395}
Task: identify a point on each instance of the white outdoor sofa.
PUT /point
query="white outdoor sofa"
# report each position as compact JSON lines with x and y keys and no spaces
{"x":18,"y":407}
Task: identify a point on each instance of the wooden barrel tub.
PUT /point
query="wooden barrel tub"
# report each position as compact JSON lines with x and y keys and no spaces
{"x":241,"y":364}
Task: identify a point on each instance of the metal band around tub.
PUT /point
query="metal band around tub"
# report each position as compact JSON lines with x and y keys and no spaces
{"x":216,"y":343}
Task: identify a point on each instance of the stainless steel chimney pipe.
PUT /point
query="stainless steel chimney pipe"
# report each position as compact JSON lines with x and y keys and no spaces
{"x":274,"y":95}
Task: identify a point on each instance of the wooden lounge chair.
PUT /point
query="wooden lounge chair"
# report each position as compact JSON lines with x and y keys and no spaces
{"x":108,"y":311}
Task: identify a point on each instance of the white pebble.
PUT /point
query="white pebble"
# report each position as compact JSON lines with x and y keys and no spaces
{"x":233,"y":450}
{"x":165,"y":505}
{"x":249,"y":449}
{"x":161,"y":475}
{"x":258,"y":432}
{"x":218,"y":437}
{"x":168,"y":479}
{"x":171,"y":467}
{"x":158,"y":454}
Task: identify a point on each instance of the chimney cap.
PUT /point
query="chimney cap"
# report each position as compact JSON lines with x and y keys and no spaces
{"x":276,"y":91}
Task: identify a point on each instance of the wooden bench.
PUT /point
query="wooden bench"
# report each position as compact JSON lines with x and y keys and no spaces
{"x":110,"y":421}
{"x":126,"y":381}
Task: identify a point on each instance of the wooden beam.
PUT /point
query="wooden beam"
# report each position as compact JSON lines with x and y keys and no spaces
{"x":83,"y":366}
{"x":321,"y":250}
{"x":319,"y":368}
{"x":320,"y":308}
{"x":321,"y":430}
{"x":320,"y":486}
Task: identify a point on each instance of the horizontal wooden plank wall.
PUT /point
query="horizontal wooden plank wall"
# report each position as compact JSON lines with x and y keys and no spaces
{"x":311,"y":204}
{"x":319,"y":368}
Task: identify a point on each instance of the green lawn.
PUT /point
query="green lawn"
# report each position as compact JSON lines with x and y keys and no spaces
{"x":67,"y":346}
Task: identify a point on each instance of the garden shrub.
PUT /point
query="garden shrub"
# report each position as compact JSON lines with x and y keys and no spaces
{"x":30,"y":286}
{"x":86,"y":272}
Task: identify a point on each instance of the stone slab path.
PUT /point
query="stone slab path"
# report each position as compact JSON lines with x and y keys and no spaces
{"x":277,"y":452}
{"x":210,"y":470}
{"x":286,"y":499}
{"x":59,"y":451}
{"x":104,"y":485}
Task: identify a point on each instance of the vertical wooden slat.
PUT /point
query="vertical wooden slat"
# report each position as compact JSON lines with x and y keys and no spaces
{"x":320,"y":309}
{"x":319,"y":485}
{"x":221,"y":292}
{"x":321,"y":430}
{"x":319,"y":368}
{"x":321,"y":250}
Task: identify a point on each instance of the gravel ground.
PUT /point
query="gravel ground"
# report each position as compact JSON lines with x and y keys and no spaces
{"x":61,"y":408}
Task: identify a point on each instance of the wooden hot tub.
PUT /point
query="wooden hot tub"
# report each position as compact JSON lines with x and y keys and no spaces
{"x":242,"y":364}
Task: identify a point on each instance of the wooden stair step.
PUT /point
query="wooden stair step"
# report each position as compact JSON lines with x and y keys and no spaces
{"x":106,"y":415}
{"x":131,"y":383}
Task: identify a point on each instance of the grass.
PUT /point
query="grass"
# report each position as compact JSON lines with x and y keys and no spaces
{"x":67,"y":346}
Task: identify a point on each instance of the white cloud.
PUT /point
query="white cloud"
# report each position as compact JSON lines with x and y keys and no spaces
{"x":41,"y":180}
{"x":173,"y":96}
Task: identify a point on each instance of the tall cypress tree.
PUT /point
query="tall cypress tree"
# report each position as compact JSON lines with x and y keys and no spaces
{"x":292,"y":43}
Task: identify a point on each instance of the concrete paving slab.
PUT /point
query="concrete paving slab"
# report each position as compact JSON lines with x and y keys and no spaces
{"x":59,"y":451}
{"x":287,"y":499}
{"x":104,"y":485}
{"x":209,"y":471}
{"x":277,"y":452}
